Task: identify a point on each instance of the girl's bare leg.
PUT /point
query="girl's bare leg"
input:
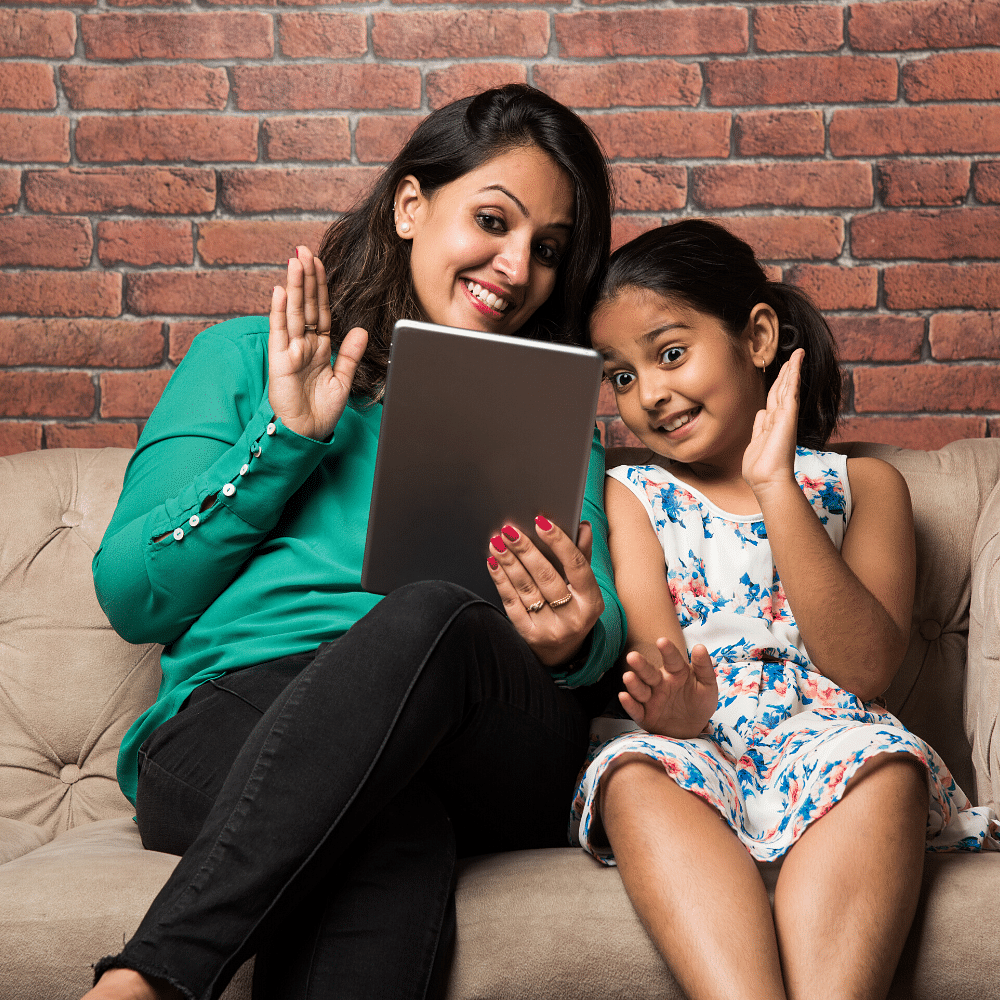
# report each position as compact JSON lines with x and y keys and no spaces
{"x":124,"y":984}
{"x":848,"y":889}
{"x":696,"y":889}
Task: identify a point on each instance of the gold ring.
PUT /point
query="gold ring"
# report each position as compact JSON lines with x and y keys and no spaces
{"x":537,"y":606}
{"x":561,"y":601}
{"x":311,"y":327}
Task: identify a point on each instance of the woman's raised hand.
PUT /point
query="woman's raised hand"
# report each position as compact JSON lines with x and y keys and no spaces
{"x":674,"y":698}
{"x":304,"y":390}
{"x":551,"y":614}
{"x":770,"y":457}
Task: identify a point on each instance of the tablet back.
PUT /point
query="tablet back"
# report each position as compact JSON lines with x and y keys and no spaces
{"x":478,"y":431}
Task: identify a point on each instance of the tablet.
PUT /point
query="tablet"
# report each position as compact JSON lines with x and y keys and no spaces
{"x":478,"y":431}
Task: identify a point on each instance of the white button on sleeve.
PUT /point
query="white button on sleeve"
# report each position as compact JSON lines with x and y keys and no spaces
{"x":256,"y":450}
{"x":271,"y":429}
{"x":244,"y":469}
{"x":228,"y":490}
{"x":178,"y":534}
{"x":194,"y":520}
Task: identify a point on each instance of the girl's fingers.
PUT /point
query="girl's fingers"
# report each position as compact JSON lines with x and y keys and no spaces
{"x":634,"y":709}
{"x":636,"y":687}
{"x":643,"y":670}
{"x":674,"y":662}
{"x":702,"y":664}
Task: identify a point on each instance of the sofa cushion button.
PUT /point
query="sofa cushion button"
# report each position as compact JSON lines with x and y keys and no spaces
{"x":69,"y":774}
{"x":930,"y":630}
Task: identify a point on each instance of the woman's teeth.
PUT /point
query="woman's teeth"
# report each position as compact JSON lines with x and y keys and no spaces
{"x":679,"y":422}
{"x":485,"y":295}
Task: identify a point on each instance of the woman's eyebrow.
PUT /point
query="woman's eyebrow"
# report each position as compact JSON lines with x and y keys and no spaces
{"x":520,"y":204}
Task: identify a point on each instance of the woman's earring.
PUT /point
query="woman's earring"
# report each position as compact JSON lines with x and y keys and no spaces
{"x":404,"y":227}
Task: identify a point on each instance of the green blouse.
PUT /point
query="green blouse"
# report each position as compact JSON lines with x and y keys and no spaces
{"x":236,"y":540}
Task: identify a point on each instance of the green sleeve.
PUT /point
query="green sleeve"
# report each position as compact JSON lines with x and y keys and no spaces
{"x":608,"y":637}
{"x":208,"y":480}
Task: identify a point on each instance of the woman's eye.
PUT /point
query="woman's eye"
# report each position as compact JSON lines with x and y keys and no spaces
{"x":672,"y":355}
{"x":621,"y":380}
{"x":548,"y":255}
{"x":491,"y":223}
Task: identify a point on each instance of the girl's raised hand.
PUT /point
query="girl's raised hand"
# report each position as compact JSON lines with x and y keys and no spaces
{"x":552,"y":615}
{"x":770,"y":457}
{"x":676,"y":698}
{"x":305,"y":391}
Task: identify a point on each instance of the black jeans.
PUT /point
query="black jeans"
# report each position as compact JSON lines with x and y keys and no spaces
{"x":320,"y":801}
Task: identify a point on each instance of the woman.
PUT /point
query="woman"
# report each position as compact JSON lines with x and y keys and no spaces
{"x":318,"y":754}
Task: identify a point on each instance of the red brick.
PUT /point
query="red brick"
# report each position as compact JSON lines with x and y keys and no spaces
{"x":228,"y":35}
{"x":676,"y":32}
{"x":91,"y":435}
{"x":798,"y":28}
{"x":954,"y":76}
{"x":46,"y":394}
{"x":132,"y":88}
{"x":18,"y":437}
{"x":606,"y":404}
{"x":246,"y":241}
{"x":470,"y":34}
{"x":320,"y":189}
{"x":303,"y":138}
{"x":153,"y":3}
{"x":878,"y":338}
{"x":801,"y":80}
{"x":30,"y":86}
{"x":924,"y":182}
{"x":986,"y":182}
{"x":28,"y":241}
{"x":323,"y":36}
{"x":950,"y":129}
{"x":44,"y":34}
{"x":144,"y":242}
{"x":789,"y":237}
{"x":453,"y":82}
{"x":378,"y":138}
{"x":34,"y":138}
{"x":942,"y":286}
{"x":993,"y":427}
{"x":924,"y":24}
{"x":836,"y":287}
{"x":61,"y":293}
{"x":649,"y":187}
{"x":667,"y":134}
{"x":325,"y":85}
{"x":627,"y":227}
{"x":181,"y":335}
{"x":200,"y":293}
{"x":780,"y":133}
{"x":132,"y":394}
{"x":928,"y":234}
{"x":152,"y":190}
{"x":10,"y":189}
{"x":921,"y":433}
{"x":961,"y":336}
{"x":203,"y":138}
{"x":808,"y":185}
{"x":661,"y":83}
{"x":81,"y":343}
{"x":913,"y":388}
{"x":617,"y":435}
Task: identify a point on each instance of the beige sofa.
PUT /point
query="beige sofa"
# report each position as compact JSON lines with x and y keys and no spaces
{"x":74,"y":879}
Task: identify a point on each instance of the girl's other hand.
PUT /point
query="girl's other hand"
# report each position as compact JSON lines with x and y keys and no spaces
{"x":770,"y":457}
{"x":305,"y":391}
{"x":676,"y":698}
{"x":552,"y":615}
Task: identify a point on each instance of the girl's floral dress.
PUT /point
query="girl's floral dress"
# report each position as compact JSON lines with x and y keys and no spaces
{"x":784,"y":741}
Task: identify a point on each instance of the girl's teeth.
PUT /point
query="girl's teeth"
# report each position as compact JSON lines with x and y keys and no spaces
{"x":484,"y":295}
{"x":679,"y":422}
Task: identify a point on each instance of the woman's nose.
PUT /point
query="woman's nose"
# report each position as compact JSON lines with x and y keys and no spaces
{"x":514,"y":262}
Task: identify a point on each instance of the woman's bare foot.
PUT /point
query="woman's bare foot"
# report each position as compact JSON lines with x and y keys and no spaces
{"x":125,"y":984}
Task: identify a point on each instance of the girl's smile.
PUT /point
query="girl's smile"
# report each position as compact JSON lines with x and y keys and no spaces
{"x":486,"y":247}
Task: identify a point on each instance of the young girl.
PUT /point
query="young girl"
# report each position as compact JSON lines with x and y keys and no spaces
{"x":756,"y":660}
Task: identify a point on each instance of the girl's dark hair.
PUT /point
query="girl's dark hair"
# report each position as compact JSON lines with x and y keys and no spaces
{"x":368,"y":265}
{"x":715,"y":272}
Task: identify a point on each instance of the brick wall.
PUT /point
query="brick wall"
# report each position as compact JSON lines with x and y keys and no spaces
{"x":160,"y":158}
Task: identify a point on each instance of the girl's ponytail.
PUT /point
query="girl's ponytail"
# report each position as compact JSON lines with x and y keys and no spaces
{"x":715,"y":272}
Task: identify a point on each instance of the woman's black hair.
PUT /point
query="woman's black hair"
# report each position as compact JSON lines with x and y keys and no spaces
{"x":368,"y":265}
{"x":708,"y":268}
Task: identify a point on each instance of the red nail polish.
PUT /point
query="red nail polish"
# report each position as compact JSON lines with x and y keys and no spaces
{"x":498,"y":543}
{"x":493,"y":563}
{"x":543,"y":522}
{"x":296,"y":251}
{"x":510,"y":532}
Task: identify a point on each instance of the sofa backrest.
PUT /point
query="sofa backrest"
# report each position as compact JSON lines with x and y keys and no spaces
{"x":70,"y":687}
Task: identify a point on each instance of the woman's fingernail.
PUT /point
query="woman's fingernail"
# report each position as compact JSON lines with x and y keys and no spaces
{"x":493,"y":563}
{"x":296,"y":251}
{"x":510,"y":532}
{"x":543,"y":522}
{"x":498,"y":543}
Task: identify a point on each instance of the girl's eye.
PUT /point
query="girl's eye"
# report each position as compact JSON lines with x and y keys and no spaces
{"x":491,"y":223}
{"x":548,"y":255}
{"x":620,"y":380}
{"x":672,"y":355}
